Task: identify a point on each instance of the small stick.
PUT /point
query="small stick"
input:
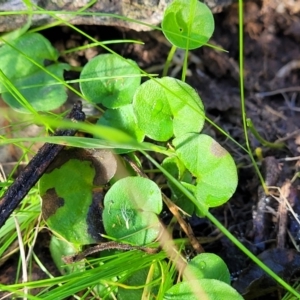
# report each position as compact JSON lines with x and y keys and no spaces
{"x":36,"y":168}
{"x":106,"y":246}
{"x":285,"y":192}
{"x":184,"y":225}
{"x":271,"y":170}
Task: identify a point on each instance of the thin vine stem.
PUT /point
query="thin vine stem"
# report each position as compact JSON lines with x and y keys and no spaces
{"x":242,"y":93}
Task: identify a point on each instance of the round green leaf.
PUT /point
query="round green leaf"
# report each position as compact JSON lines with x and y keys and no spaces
{"x":166,"y":107}
{"x":124,"y":119}
{"x":59,"y":248}
{"x":210,"y":289}
{"x":15,"y":65}
{"x":139,"y":279}
{"x":70,"y":206}
{"x":209,"y":266}
{"x":110,"y":80}
{"x":44,"y":95}
{"x":153,"y":111}
{"x":38,"y":87}
{"x":130,"y":211}
{"x":188,"y":24}
{"x":186,"y":106}
{"x":212,"y":165}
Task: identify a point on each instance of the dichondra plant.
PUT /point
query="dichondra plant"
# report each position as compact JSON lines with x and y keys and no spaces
{"x":84,"y":197}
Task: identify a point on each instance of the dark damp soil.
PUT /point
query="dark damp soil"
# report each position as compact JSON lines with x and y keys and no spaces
{"x":271,"y":76}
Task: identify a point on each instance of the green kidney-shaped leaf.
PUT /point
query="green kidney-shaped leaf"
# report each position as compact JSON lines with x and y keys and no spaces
{"x":59,"y":248}
{"x":45,"y":95}
{"x":186,"y":106}
{"x":37,"y":86}
{"x":166,"y":107}
{"x":212,"y":165}
{"x":124,"y":119}
{"x":153,"y":111}
{"x":188,"y":24}
{"x":130,"y":211}
{"x":209,"y":266}
{"x":139,"y":279}
{"x":15,"y":65}
{"x":210,"y":289}
{"x":70,"y":205}
{"x":110,"y":80}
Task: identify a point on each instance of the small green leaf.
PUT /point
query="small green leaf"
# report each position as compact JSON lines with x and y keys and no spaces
{"x":210,"y":289}
{"x":44,"y":95}
{"x":166,"y":107}
{"x":209,"y":266}
{"x":70,"y":206}
{"x":110,"y":80}
{"x":153,"y":111}
{"x":138,"y":279}
{"x":188,"y":24}
{"x":212,"y":165}
{"x":67,"y":196}
{"x":186,"y":106}
{"x":124,"y":119}
{"x":59,"y":248}
{"x":130,"y":211}
{"x":16,"y":65}
{"x":34,"y":83}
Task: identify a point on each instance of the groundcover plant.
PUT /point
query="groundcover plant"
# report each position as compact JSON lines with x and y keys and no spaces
{"x":104,"y":210}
